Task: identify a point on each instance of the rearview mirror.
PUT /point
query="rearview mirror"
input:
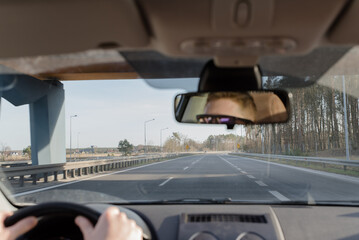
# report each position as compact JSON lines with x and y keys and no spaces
{"x":231,"y":108}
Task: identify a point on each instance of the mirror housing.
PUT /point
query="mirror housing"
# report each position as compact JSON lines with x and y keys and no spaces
{"x":214,"y":79}
{"x":233,"y":108}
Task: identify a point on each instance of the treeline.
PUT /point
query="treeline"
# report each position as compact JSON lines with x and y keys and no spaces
{"x":316,"y":122}
{"x":225,"y":142}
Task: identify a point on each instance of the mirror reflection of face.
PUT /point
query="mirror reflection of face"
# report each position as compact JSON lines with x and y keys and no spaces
{"x":232,"y":108}
{"x":236,"y":106}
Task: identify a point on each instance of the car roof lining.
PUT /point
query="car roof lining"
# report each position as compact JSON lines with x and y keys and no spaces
{"x":294,"y":71}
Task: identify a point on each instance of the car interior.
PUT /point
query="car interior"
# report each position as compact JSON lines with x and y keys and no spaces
{"x":228,"y":46}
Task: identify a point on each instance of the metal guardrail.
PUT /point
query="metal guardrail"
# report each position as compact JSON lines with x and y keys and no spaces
{"x":20,"y":163}
{"x":74,"y":169}
{"x":308,"y":160}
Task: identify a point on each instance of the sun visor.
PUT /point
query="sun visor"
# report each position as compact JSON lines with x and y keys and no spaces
{"x":161,"y":71}
{"x":42,"y":27}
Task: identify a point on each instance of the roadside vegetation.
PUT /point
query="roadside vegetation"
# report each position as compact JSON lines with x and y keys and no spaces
{"x":331,"y":168}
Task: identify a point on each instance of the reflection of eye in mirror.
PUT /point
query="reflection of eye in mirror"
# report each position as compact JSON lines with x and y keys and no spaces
{"x":230,"y":108}
{"x":221,"y":119}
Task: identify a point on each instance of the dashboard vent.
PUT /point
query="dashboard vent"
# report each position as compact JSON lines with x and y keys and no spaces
{"x":226,"y":218}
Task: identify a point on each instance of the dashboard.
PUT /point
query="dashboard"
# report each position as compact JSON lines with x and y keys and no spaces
{"x":255,"y":222}
{"x":229,"y":221}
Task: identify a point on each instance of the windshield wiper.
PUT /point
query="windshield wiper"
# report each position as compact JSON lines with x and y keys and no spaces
{"x":180,"y":201}
{"x":230,"y":201}
{"x":199,"y":200}
{"x":316,"y":203}
{"x":196,"y":201}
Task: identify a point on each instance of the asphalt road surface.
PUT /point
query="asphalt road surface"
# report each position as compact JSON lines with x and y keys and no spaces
{"x":206,"y":176}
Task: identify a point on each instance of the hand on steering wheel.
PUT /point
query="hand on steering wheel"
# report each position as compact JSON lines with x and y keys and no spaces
{"x":16,"y":230}
{"x":112,"y":224}
{"x":58,"y":220}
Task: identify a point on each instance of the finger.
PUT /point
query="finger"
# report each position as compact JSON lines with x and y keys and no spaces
{"x":132,"y":224}
{"x":139,"y":230}
{"x":122,"y":217}
{"x":5,"y":215}
{"x":22,"y":227}
{"x":137,"y":233}
{"x":85,"y":226}
{"x":109,"y":217}
{"x":112,"y":212}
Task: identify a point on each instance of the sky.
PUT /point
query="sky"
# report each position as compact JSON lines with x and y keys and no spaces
{"x":108,"y":111}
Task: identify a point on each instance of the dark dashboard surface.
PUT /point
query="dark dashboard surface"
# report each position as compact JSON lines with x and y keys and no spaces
{"x":281,"y":222}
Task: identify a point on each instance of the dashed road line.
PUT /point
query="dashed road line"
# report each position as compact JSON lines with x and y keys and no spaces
{"x":197,"y":160}
{"x":185,"y":168}
{"x":250,"y":176}
{"x":228,"y":162}
{"x":311,"y":171}
{"x":279,"y":196}
{"x":262,"y":184}
{"x":93,"y":177}
{"x":169,"y":179}
{"x":243,"y":172}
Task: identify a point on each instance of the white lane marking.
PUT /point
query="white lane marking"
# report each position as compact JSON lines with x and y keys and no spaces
{"x":239,"y":169}
{"x":315,"y":172}
{"x":185,"y":168}
{"x":279,"y":196}
{"x":169,"y":179}
{"x":227,"y":162}
{"x":89,"y":178}
{"x":197,"y":160}
{"x":262,"y":184}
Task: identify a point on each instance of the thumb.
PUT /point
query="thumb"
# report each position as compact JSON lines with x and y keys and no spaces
{"x":85,"y":226}
{"x":22,"y":227}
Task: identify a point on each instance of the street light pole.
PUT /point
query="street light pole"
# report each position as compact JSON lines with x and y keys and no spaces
{"x":78,"y":150}
{"x":71,"y":133}
{"x":145,"y":132}
{"x":161,"y":137}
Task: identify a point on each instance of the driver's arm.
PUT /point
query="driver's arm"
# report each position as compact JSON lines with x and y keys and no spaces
{"x":14,"y":231}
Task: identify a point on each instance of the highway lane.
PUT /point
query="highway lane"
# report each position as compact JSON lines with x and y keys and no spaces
{"x":208,"y":176}
{"x":301,"y":184}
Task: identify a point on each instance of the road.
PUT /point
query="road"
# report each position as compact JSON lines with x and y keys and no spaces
{"x":206,"y":176}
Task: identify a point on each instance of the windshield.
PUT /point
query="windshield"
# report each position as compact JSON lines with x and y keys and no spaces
{"x":118,"y":141}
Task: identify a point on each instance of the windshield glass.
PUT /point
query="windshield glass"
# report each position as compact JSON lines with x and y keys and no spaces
{"x":118,"y":141}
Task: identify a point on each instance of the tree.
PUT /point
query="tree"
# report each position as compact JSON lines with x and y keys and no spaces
{"x":125,"y":147}
{"x":5,"y":152}
{"x":27,"y":151}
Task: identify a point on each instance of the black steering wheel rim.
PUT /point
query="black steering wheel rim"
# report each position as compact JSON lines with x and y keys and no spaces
{"x":53,"y":209}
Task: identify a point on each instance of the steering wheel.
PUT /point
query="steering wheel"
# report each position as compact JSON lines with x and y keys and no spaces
{"x":56,"y":220}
